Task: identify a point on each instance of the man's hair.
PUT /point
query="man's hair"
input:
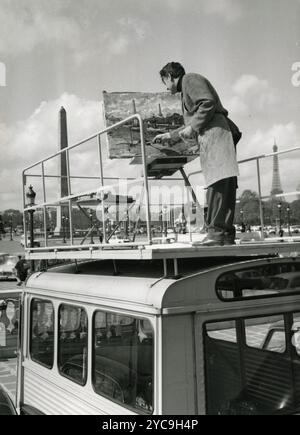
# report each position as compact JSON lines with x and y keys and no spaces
{"x":172,"y":69}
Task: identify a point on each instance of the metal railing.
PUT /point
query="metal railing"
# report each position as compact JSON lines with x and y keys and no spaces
{"x":258,"y":159}
{"x":103,"y":187}
{"x":69,"y":198}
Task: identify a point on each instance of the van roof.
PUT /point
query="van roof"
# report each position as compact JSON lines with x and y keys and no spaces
{"x":141,"y":289}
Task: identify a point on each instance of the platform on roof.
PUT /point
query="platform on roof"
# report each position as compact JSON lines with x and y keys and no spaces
{"x":137,"y":251}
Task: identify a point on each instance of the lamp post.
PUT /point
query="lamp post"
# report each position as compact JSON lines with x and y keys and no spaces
{"x":91,"y":223}
{"x":11,"y":226}
{"x":63,"y":219}
{"x":279,"y":206}
{"x":126,"y":225}
{"x":242,"y":221}
{"x":164,"y":220}
{"x":289,"y":219}
{"x":30,"y":195}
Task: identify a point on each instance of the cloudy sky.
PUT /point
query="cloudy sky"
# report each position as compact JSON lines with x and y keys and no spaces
{"x":66,"y":52}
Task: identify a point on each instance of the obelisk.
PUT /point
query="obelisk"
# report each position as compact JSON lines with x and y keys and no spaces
{"x":62,"y":180}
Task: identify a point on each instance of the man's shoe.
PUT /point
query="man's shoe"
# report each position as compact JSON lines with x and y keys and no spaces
{"x":229,"y":242}
{"x":207,"y":241}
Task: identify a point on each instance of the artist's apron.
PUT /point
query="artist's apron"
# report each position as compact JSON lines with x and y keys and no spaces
{"x":217,"y":151}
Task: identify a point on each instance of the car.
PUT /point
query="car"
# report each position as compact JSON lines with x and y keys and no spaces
{"x":117,"y":240}
{"x":37,"y":243}
{"x":7,"y":267}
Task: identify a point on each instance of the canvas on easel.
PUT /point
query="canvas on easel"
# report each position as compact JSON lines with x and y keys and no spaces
{"x":161,"y":113}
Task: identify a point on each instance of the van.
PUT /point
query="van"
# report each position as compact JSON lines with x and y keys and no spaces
{"x":137,"y":343}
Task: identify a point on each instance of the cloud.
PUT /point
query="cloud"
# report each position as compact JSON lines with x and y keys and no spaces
{"x":26,"y":25}
{"x":252,"y":95}
{"x":39,"y":24}
{"x":37,"y":137}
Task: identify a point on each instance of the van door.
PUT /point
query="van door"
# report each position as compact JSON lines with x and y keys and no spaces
{"x":9,"y":323}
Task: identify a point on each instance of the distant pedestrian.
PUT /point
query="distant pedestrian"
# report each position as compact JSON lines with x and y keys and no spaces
{"x":100,"y":234}
{"x":21,"y":270}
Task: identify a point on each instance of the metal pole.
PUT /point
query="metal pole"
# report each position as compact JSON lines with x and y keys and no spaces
{"x":102,"y":184}
{"x":44,"y":208}
{"x":31,"y":225}
{"x":144,"y":159}
{"x":24,"y":211}
{"x":289,"y":220}
{"x":70,"y":200}
{"x":260,"y":200}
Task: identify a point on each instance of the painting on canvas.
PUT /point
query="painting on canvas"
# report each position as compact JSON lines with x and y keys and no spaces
{"x":161,"y":112}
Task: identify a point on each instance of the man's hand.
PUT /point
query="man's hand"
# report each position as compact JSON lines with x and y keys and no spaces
{"x":187,"y":133}
{"x":160,"y":138}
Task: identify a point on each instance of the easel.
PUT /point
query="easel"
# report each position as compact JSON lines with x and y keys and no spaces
{"x":162,"y":166}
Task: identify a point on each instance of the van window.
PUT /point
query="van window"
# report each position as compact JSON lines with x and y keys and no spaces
{"x":268,"y":280}
{"x":42,"y":332}
{"x":258,"y":374}
{"x":73,"y":343}
{"x":266,"y":333}
{"x":123,"y":360}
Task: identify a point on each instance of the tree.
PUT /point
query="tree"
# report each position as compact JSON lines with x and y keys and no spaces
{"x":249,"y":206}
{"x":12,"y":215}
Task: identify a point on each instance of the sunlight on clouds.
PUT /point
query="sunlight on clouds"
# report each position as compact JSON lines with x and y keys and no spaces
{"x":252,"y":95}
{"x":26,"y":26}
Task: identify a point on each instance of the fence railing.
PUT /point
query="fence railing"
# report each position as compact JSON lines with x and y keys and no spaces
{"x":68,"y":200}
{"x":258,"y":159}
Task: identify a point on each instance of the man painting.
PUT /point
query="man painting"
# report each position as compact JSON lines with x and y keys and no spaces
{"x":206,"y":121}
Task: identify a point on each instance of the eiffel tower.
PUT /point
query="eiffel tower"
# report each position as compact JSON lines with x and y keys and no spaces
{"x":276,"y":182}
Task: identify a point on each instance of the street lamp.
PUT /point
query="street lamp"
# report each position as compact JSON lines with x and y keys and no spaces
{"x":164,"y":220}
{"x":30,"y":195}
{"x":279,"y":206}
{"x":92,"y":224}
{"x":63,"y":219}
{"x":11,"y":226}
{"x":242,"y":221}
{"x":126,"y":225}
{"x":183,"y":221}
{"x":289,"y":219}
